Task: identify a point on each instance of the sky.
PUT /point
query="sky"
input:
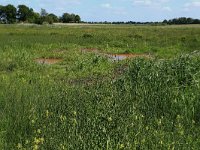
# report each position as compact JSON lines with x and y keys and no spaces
{"x":116,"y":10}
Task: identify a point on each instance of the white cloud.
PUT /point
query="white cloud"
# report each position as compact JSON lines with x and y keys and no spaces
{"x":107,"y":5}
{"x":142,"y":2}
{"x":113,"y":9}
{"x":149,"y":2}
{"x":159,"y":5}
{"x":191,"y":5}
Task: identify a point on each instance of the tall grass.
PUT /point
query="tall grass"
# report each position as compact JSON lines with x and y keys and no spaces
{"x":154,"y":105}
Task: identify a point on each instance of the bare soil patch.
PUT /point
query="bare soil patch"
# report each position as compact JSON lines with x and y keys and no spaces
{"x":48,"y":61}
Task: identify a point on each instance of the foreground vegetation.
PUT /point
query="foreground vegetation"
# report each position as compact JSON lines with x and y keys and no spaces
{"x":89,"y":102}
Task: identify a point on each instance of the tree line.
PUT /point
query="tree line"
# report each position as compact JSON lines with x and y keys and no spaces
{"x":181,"y":20}
{"x":10,"y":14}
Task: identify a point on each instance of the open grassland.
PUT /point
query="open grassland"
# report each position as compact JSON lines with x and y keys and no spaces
{"x":87,"y":101}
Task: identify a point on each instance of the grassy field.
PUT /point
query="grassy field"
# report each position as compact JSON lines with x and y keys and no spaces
{"x":87,"y":101}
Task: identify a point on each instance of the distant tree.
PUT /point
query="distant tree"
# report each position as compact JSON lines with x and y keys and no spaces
{"x":38,"y":18}
{"x":43,"y":12}
{"x":165,"y":21}
{"x":60,"y":19}
{"x":1,"y":9}
{"x":2,"y":13}
{"x":33,"y":16}
{"x":196,"y":21}
{"x":26,"y":14}
{"x":73,"y":17}
{"x":54,"y":17}
{"x":23,"y":13}
{"x":77,"y":19}
{"x":46,"y":18}
{"x":190,"y":20}
{"x":66,"y":18}
{"x":9,"y":13}
{"x":182,"y":20}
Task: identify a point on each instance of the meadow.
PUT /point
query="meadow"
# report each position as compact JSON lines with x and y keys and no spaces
{"x":88,"y":101}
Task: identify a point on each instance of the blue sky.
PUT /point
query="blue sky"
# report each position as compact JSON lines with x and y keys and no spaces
{"x":116,"y":10}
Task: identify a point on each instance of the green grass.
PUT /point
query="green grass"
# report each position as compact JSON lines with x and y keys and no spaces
{"x":89,"y":102}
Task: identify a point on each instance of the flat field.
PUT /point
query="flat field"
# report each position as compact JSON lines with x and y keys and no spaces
{"x":66,"y":87}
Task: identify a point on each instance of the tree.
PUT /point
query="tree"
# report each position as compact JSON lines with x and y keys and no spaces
{"x":37,"y":18}
{"x":23,"y":13}
{"x":43,"y":12}
{"x":32,"y":16}
{"x":1,"y":13}
{"x":77,"y":19}
{"x":66,"y":18}
{"x":165,"y":21}
{"x":190,"y":20}
{"x":54,"y":17}
{"x":72,"y":17}
{"x":9,"y":13}
{"x":1,"y":9}
{"x":196,"y":21}
{"x":46,"y":18}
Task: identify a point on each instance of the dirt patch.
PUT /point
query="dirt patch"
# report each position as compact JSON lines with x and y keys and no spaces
{"x":48,"y":61}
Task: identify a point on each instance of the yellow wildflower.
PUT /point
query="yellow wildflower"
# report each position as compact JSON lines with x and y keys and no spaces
{"x":121,"y":146}
{"x":74,"y":112}
{"x":161,"y":142}
{"x":47,"y":113}
{"x":36,"y":141}
{"x":32,"y":121}
{"x":35,"y":147}
{"x":19,"y":145}
{"x":62,"y":118}
{"x":42,"y":140}
{"x":159,"y":122}
{"x":38,"y":131}
{"x":27,"y":141}
{"x":109,"y":119}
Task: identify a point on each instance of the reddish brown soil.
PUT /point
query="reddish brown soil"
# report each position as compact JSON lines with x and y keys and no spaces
{"x":48,"y":61}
